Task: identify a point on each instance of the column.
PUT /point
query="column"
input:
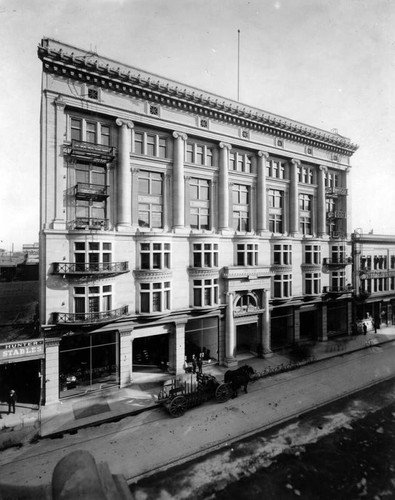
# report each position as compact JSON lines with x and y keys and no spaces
{"x":124,"y":177}
{"x":321,"y":202}
{"x":323,"y":335}
{"x":293,"y":198}
{"x":178,"y":181}
{"x":230,"y":341}
{"x":51,"y":375}
{"x":177,"y":348}
{"x":261,"y":192}
{"x":223,"y":187}
{"x":296,"y":325}
{"x":265,"y":332}
{"x":349,"y":317}
{"x":126,"y":366}
{"x":348,"y":227}
{"x":60,"y":184}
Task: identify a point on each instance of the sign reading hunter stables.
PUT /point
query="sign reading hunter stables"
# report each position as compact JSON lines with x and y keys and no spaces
{"x":24,"y":349}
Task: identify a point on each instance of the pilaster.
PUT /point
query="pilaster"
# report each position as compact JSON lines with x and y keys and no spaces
{"x":261,"y":194}
{"x":126,"y":367}
{"x":321,"y":203}
{"x":293,"y":199}
{"x":177,"y":348}
{"x":223,"y":187}
{"x":265,"y":332}
{"x":59,"y":221}
{"x":230,"y":341}
{"x":51,"y":371}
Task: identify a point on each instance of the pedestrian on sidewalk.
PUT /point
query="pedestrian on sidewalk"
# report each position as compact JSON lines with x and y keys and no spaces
{"x":11,"y":400}
{"x":199,"y":364}
{"x":194,"y":363}
{"x":365,"y":329}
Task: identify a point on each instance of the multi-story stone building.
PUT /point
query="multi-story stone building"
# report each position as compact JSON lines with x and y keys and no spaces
{"x":175,"y":223}
{"x":374,"y":279}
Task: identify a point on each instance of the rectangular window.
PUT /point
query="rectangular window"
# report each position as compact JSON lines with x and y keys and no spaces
{"x":149,"y":144}
{"x":199,"y":204}
{"x":200,"y":154}
{"x":150,"y":199}
{"x":155,"y":297}
{"x":275,"y":169}
{"x":282,"y":255}
{"x":205,"y":292}
{"x":205,"y":255}
{"x":247,"y":254}
{"x":312,"y":254}
{"x":105,"y":135}
{"x":275,"y":223}
{"x":282,"y":286}
{"x":312,"y":283}
{"x":338,"y":281}
{"x":338,"y":254}
{"x":90,"y":302}
{"x":91,"y":132}
{"x":76,"y":129}
{"x":93,"y":256}
{"x":241,"y":208}
{"x":154,"y":255}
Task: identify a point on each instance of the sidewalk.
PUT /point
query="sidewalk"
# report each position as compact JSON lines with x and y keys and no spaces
{"x":74,"y":413}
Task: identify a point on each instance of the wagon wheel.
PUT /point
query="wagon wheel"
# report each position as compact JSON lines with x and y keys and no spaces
{"x":223,"y":393}
{"x":178,"y":406}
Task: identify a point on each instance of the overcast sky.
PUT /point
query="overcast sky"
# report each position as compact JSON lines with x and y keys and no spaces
{"x":328,"y":63}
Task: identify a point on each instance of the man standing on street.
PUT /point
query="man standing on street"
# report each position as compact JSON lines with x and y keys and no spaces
{"x":11,"y":401}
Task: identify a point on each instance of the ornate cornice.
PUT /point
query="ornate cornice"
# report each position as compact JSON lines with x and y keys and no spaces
{"x":203,"y":272}
{"x":248,"y":273}
{"x":280,"y":269}
{"x":76,"y":64}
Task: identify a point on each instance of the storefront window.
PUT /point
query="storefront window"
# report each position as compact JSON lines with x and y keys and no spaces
{"x":201,"y":339}
{"x":87,"y":361}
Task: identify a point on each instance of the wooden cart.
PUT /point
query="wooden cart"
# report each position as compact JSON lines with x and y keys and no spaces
{"x":178,"y":396}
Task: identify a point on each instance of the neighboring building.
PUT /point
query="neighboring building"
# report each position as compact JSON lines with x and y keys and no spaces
{"x":374,"y":279}
{"x":176,"y":222}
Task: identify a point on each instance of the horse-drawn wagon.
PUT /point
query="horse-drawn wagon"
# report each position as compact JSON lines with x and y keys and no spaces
{"x":178,"y":395}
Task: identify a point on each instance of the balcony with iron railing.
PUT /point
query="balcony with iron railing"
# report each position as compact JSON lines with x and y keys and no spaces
{"x":91,"y":317}
{"x":89,"y":151}
{"x":337,"y":290}
{"x":337,"y":235}
{"x":72,"y":268}
{"x":94,"y":192}
{"x":336,"y":214}
{"x":335,"y":191}
{"x":339,"y":261}
{"x":89,"y":223}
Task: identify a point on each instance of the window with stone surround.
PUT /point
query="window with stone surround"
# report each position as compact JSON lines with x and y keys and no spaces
{"x":338,"y":280}
{"x":154,"y":255}
{"x":246,"y":254}
{"x":92,"y":255}
{"x":305,"y":207}
{"x":282,"y":286}
{"x":305,"y":175}
{"x":199,"y":153}
{"x":240,"y":162}
{"x":92,"y":299}
{"x":282,"y":254}
{"x":150,"y":199}
{"x":199,"y":203}
{"x":155,"y":297}
{"x":276,"y":208}
{"x":276,"y":169}
{"x":89,"y":130}
{"x":312,"y":283}
{"x":312,"y":254}
{"x":241,"y":207}
{"x":205,"y":254}
{"x":205,"y":292}
{"x":149,"y":144}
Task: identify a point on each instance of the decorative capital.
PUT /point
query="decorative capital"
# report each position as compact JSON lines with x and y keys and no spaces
{"x":121,"y":122}
{"x":135,"y":171}
{"x":59,"y":102}
{"x":225,"y":145}
{"x":295,"y":162}
{"x":263,"y":154}
{"x":180,"y":135}
{"x":323,"y":168}
{"x":348,"y":170}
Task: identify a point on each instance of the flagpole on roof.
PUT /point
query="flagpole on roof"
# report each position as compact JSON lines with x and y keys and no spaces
{"x":238,"y":65}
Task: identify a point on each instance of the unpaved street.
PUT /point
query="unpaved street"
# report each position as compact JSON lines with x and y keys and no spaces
{"x":149,"y":441}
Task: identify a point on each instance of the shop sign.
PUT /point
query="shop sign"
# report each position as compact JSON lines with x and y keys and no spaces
{"x":21,"y":349}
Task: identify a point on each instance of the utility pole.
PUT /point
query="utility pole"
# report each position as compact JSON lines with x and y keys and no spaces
{"x":238,"y":65}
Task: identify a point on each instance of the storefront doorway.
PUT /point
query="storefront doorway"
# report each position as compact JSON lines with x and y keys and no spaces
{"x":151,"y":354}
{"x":88,"y":362}
{"x":201,"y":339}
{"x":309,"y":325}
{"x":337,"y":318}
{"x":246,"y":339}
{"x":24,"y":378}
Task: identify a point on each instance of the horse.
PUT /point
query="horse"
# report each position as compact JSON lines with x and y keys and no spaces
{"x":239,"y":378}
